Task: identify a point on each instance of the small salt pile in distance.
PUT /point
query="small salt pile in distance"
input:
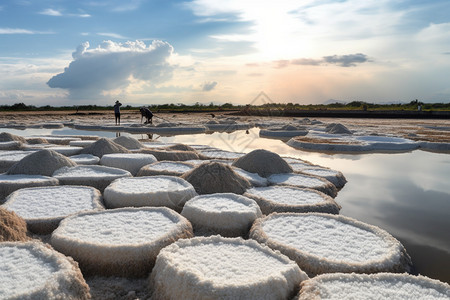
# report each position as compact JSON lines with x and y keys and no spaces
{"x":11,"y":183}
{"x":223,"y":268}
{"x":44,"y":207}
{"x":325,"y":243}
{"x":226,"y":214}
{"x":96,"y":176}
{"x":292,"y":199}
{"x":132,"y":162}
{"x":375,"y":286}
{"x":119,"y":242}
{"x":170,"y":168}
{"x":32,"y":270}
{"x":169,"y":191}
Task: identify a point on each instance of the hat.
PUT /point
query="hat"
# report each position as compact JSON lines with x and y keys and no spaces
{"x":117,"y":101}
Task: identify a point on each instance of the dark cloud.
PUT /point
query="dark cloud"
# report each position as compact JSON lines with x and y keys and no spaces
{"x":113,"y":66}
{"x":209,"y":86}
{"x":349,"y":60}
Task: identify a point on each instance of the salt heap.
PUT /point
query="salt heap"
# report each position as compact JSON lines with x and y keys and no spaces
{"x":325,"y":243}
{"x":8,"y":137}
{"x":223,"y":268}
{"x":119,"y":242}
{"x":304,"y":181}
{"x":226,"y":214}
{"x":44,"y":207}
{"x":104,"y":146}
{"x":292,"y":199}
{"x":11,"y":183}
{"x":171,"y":168}
{"x":43,"y":162}
{"x":9,"y":158}
{"x":96,"y":176}
{"x":132,"y":162}
{"x":180,"y":147}
{"x":32,"y":270}
{"x":171,"y":155}
{"x":263,"y":162}
{"x":337,"y":128}
{"x":128,"y":142}
{"x":214,"y":177}
{"x":375,"y":286}
{"x":335,"y":177}
{"x":12,"y":227}
{"x":169,"y":191}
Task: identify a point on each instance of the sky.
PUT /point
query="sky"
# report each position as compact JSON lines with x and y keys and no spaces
{"x":142,"y":52}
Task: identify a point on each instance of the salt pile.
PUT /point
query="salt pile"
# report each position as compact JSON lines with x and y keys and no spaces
{"x":44,"y":207}
{"x":304,"y":181}
{"x":12,"y":227}
{"x":10,"y":183}
{"x":33,"y":271}
{"x":96,"y":176}
{"x":43,"y":162}
{"x":226,"y":214}
{"x":374,"y":286}
{"x":132,"y":162}
{"x":10,"y":145}
{"x":263,"y":162}
{"x":85,"y":159}
{"x":8,"y":137}
{"x":223,"y":268}
{"x":170,"y":168}
{"x":335,"y":177}
{"x":169,"y":191}
{"x":104,"y":146}
{"x":292,"y":199}
{"x":180,"y":147}
{"x":337,"y":128}
{"x":325,"y":243}
{"x":216,"y":177}
{"x":171,"y":155}
{"x":119,"y":242}
{"x":128,"y":142}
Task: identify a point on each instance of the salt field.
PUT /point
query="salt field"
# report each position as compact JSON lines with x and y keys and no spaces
{"x":387,"y":180}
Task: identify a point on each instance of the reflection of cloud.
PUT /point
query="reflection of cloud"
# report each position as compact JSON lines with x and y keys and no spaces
{"x":209,"y":86}
{"x":113,"y":66}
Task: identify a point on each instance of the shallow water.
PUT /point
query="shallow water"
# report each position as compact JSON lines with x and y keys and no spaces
{"x":407,"y":194}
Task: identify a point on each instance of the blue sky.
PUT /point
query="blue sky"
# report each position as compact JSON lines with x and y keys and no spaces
{"x":62,"y":52}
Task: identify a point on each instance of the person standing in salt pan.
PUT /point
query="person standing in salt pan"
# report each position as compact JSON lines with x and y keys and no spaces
{"x":117,"y":111}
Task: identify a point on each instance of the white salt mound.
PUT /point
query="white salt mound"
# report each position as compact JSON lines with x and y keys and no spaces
{"x":304,"y":181}
{"x":325,"y":243}
{"x":44,"y":207}
{"x":375,"y":286}
{"x":96,"y":176}
{"x":132,"y":162}
{"x":128,"y":142}
{"x":85,"y":159}
{"x":43,"y":162}
{"x":226,"y":214}
{"x":292,"y":199}
{"x":119,"y":242}
{"x":11,"y":183}
{"x":104,"y":146}
{"x":31,"y":270}
{"x":335,"y":177}
{"x":171,"y":168}
{"x":169,"y":191}
{"x":223,"y":268}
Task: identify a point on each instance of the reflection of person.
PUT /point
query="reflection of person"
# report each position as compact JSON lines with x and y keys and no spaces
{"x":117,"y":111}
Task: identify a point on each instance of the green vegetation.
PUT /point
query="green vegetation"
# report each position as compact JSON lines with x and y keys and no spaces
{"x":354,"y":105}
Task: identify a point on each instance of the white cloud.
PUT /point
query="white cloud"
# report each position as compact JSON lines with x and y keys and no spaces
{"x":22,"y":31}
{"x":51,"y":12}
{"x":112,"y":35}
{"x":114,"y":66}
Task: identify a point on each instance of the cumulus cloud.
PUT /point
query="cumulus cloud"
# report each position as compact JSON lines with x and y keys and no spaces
{"x":113,"y":66}
{"x":209,"y":86}
{"x":51,"y":12}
